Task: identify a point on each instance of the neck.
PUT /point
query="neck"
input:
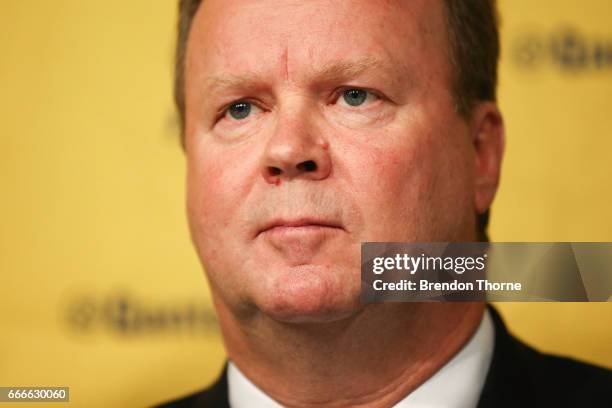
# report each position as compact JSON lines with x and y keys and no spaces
{"x":374,"y":358}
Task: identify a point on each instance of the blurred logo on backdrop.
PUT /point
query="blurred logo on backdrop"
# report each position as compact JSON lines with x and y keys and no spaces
{"x":126,"y":314}
{"x":565,"y":48}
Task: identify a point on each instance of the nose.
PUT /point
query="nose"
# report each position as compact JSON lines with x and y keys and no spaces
{"x":294,"y":151}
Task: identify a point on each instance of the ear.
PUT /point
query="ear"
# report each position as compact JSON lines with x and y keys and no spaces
{"x":488,"y":141}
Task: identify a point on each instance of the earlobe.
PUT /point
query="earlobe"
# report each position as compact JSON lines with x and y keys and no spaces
{"x":488,"y":142}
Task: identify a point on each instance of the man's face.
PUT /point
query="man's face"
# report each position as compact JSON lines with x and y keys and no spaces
{"x":311,"y":127}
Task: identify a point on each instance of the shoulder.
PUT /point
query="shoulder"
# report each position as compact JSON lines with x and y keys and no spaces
{"x":214,"y":396}
{"x":520,"y":375}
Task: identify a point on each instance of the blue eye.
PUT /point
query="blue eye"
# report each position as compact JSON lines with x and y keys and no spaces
{"x":355,"y":97}
{"x":239,"y":110}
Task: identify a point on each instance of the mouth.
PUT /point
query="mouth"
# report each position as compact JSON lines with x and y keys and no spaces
{"x":298,"y":224}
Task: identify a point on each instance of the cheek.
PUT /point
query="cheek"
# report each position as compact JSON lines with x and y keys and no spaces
{"x":403,"y":182}
{"x":214,"y":189}
{"x":412,"y":189}
{"x":202,"y":184}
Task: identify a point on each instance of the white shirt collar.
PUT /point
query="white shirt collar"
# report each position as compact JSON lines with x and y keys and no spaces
{"x":457,"y":384}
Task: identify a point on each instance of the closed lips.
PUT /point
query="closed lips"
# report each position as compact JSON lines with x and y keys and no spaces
{"x":297,"y":223}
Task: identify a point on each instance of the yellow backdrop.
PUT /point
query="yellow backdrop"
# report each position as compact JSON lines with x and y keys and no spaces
{"x":101,"y":290}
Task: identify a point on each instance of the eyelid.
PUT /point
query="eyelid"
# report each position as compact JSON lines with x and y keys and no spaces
{"x":339,"y":91}
{"x":222,"y":112}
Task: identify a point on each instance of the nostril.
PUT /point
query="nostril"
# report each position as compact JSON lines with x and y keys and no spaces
{"x":308,"y":165}
{"x":274,"y":171}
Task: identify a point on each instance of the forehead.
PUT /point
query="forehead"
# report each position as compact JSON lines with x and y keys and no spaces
{"x":290,"y":38}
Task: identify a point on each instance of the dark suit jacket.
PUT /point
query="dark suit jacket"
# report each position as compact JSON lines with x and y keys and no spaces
{"x":519,"y":376}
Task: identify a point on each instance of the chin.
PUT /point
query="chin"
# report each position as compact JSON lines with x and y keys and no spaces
{"x":309,"y":294}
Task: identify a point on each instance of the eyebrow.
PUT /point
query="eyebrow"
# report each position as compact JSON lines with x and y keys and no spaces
{"x":331,"y":72}
{"x":346,"y":69}
{"x":230,"y":81}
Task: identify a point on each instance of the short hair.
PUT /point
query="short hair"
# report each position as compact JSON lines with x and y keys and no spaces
{"x":473,"y":38}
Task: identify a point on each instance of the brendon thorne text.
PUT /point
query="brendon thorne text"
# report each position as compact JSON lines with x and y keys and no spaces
{"x":425,"y":285}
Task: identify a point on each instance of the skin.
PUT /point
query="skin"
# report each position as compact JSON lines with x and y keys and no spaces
{"x":279,"y":201}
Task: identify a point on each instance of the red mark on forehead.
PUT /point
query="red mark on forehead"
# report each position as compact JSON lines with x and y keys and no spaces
{"x":284,"y":60}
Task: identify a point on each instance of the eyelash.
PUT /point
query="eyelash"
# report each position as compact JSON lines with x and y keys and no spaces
{"x":340,"y":91}
{"x":221,"y":113}
{"x":337,"y":94}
